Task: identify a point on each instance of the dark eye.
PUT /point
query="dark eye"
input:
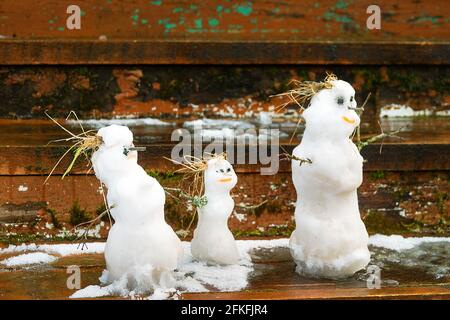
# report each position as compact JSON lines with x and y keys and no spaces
{"x":340,"y":100}
{"x":228,"y":169}
{"x":351,"y":99}
{"x":221,"y":170}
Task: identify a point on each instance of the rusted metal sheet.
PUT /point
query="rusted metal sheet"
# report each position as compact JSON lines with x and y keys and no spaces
{"x":187,"y":52}
{"x":227,"y":20}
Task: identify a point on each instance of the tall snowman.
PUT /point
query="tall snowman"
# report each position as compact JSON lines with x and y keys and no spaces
{"x":330,"y":239}
{"x":141,"y":246}
{"x":213,"y":242}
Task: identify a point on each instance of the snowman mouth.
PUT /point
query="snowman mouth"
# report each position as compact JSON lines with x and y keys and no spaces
{"x":225,"y":180}
{"x":348,"y":120}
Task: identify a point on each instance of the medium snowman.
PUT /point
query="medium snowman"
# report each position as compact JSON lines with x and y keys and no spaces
{"x":141,"y":246}
{"x":330,"y":239}
{"x":213,"y":242}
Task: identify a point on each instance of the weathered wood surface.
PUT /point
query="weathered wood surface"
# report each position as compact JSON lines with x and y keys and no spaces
{"x":414,"y":293}
{"x":227,"y":20}
{"x":188,"y":52}
{"x":224,"y":32}
{"x":271,"y":280}
{"x":24,"y":160}
{"x":184,"y":92}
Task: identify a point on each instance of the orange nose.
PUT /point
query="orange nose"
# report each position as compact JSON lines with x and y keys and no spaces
{"x":225,"y":180}
{"x":351,"y":121}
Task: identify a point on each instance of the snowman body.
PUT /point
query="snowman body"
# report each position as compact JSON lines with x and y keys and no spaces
{"x":330,"y":239}
{"x":141,"y":246}
{"x":213,"y":242}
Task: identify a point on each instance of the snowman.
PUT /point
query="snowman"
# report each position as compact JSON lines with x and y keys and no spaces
{"x":141,"y":247}
{"x":213,"y":242}
{"x":330,"y":239}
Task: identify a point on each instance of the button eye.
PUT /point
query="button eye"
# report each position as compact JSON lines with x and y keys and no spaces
{"x":351,"y":99}
{"x":340,"y":100}
{"x":221,"y":170}
{"x":228,"y":169}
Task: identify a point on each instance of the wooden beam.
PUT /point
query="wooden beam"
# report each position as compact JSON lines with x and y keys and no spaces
{"x":26,"y":160}
{"x":73,"y":52}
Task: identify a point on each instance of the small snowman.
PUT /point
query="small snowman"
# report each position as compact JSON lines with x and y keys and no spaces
{"x":141,"y":246}
{"x":330,"y":239}
{"x":213,"y":241}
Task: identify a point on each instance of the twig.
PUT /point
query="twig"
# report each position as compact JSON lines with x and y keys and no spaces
{"x":378,"y":137}
{"x":292,"y":157}
{"x":256,"y":206}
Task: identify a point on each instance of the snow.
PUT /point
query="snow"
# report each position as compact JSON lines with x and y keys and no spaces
{"x":397,"y":110}
{"x":329,"y":199}
{"x":63,"y":250}
{"x":217,"y":124}
{"x":191,"y":276}
{"x":399,"y":243}
{"x":265,"y":118}
{"x":28,"y":258}
{"x":98,"y":123}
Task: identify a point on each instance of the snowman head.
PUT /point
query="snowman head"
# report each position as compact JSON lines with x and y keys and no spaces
{"x":219,"y":175}
{"x":332,"y":111}
{"x":112,"y":158}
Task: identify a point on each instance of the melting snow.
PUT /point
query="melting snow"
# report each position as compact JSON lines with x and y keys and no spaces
{"x":397,"y":110}
{"x":28,"y":258}
{"x":192,"y":276}
{"x":97,"y":123}
{"x":217,"y":124}
{"x":398,"y":243}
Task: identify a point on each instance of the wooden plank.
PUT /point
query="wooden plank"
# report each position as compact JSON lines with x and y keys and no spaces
{"x":133,"y":52}
{"x":424,"y":292}
{"x":288,"y":20}
{"x":15,"y":160}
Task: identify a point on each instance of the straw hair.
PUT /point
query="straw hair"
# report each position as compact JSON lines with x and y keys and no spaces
{"x":194,"y":169}
{"x":84,"y":143}
{"x":305,"y":90}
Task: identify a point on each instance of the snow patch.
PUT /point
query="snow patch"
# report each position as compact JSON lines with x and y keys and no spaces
{"x":63,"y":250}
{"x":397,"y":111}
{"x":399,"y":243}
{"x":217,"y":124}
{"x":98,"y":123}
{"x":28,"y":258}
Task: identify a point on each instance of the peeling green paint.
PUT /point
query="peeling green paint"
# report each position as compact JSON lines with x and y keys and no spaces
{"x":156,"y":2}
{"x":144,"y":21}
{"x":426,"y":18}
{"x":341,"y":4}
{"x":178,"y":10}
{"x":213,"y":22}
{"x":244,"y":9}
{"x":60,"y":28}
{"x":198,"y":23}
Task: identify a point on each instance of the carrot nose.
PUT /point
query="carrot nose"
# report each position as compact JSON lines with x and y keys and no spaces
{"x":225,"y":180}
{"x":348,"y":120}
